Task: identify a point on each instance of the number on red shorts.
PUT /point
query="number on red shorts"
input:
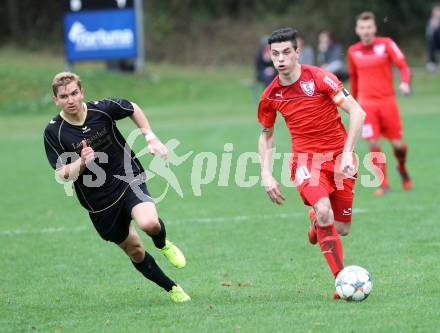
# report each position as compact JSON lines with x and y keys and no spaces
{"x":302,"y":173}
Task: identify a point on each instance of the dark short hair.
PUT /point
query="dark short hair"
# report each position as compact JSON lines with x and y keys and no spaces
{"x":365,"y":16}
{"x":284,"y":35}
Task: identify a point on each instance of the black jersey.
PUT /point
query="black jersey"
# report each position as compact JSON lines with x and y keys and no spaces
{"x":100,"y":185}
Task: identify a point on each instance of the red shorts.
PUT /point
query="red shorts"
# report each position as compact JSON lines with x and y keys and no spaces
{"x":383,"y":119}
{"x":317,"y":184}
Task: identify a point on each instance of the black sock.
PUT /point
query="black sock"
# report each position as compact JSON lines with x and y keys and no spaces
{"x":149,"y":268}
{"x":159,"y":239}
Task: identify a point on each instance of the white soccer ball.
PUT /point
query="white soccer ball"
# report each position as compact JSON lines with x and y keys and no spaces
{"x":353,"y":283}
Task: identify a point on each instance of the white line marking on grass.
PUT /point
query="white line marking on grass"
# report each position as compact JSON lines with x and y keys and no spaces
{"x":49,"y":230}
{"x":237,"y":218}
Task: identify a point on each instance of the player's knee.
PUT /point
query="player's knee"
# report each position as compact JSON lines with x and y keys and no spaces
{"x":136,"y":252}
{"x":343,"y":232}
{"x":324,"y":214}
{"x":150,"y":225}
{"x":343,"y":229}
{"x":397,"y":144}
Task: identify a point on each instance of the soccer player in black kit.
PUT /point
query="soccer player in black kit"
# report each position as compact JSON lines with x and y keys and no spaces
{"x":83,"y":144}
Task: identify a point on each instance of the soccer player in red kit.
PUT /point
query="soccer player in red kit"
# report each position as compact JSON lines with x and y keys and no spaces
{"x":323,"y":163}
{"x":371,"y":79}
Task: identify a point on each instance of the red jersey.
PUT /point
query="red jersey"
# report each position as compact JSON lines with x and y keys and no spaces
{"x":370,"y":68}
{"x":308,"y":108}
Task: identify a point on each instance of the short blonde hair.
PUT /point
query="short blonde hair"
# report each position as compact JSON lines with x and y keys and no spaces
{"x":63,"y":79}
{"x":365,"y":16}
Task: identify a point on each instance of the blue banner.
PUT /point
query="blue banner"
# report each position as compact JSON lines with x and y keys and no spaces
{"x":100,"y":34}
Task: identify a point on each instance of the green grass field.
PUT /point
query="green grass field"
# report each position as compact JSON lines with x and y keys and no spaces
{"x":250,"y":267}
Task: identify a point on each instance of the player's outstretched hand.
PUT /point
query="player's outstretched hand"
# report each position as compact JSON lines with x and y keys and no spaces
{"x":87,"y":153}
{"x":273,"y":190}
{"x":348,"y":164}
{"x":157,"y":147}
{"x":404,"y":88}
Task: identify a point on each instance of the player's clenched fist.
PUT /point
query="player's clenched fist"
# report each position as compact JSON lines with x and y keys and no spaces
{"x":157,"y":147}
{"x":348,"y":164}
{"x":87,"y":153}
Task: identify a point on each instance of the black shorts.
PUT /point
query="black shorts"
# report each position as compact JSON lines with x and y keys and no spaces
{"x":112,"y":224}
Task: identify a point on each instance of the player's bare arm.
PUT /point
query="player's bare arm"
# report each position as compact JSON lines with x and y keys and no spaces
{"x":265,"y":147}
{"x":404,"y":86}
{"x":155,"y":146}
{"x":357,"y":116}
{"x":398,"y":59}
{"x":72,"y":170}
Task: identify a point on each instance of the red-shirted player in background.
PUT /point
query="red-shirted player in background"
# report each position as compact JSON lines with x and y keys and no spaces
{"x":371,"y":79}
{"x":323,"y":163}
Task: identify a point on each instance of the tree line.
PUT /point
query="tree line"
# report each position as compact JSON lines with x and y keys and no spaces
{"x":207,"y":31}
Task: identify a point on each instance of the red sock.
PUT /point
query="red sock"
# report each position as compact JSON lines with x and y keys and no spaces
{"x":331,"y":247}
{"x":401,"y":159}
{"x":401,"y":156}
{"x":381,"y":164}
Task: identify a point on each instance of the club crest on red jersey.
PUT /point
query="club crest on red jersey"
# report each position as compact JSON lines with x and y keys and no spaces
{"x":308,"y":87}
